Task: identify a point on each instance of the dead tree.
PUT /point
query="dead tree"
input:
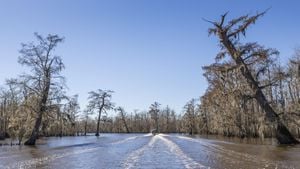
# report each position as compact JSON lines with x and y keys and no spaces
{"x":248,"y":58}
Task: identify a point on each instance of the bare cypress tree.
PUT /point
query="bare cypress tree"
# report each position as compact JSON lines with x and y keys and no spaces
{"x":248,"y":59}
{"x":44,"y":78}
{"x":100,"y":101}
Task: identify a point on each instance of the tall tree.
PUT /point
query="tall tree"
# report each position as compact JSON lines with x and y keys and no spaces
{"x":45,"y":78}
{"x":100,"y":101}
{"x":249,"y":59}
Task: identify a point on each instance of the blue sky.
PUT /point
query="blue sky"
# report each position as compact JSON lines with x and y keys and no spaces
{"x":144,"y":50}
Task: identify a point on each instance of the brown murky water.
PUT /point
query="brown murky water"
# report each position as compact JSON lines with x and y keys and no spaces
{"x":147,"y":151}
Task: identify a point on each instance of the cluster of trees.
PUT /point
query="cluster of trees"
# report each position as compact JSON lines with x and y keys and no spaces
{"x":231,"y":109}
{"x":250,"y":94}
{"x":35,"y":104}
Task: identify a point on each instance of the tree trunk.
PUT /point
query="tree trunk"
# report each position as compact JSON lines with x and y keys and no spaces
{"x":42,"y":109}
{"x":98,"y":123}
{"x":35,"y":131}
{"x":61,"y":127}
{"x":167,"y":123}
{"x":127,"y":129}
{"x":290,"y":92}
{"x":85,"y":127}
{"x":124,"y":121}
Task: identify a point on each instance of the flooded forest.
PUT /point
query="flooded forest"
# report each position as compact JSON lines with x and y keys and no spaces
{"x":248,"y":117}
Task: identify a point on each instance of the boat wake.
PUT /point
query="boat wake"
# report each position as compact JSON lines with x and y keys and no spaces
{"x":219,"y":152}
{"x":133,"y":158}
{"x":132,"y":161}
{"x":188,"y":162}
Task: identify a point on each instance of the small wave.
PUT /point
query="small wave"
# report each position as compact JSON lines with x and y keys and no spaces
{"x":46,"y":159}
{"x":75,"y":145}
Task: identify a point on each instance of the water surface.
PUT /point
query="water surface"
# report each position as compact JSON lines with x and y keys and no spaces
{"x":147,"y":151}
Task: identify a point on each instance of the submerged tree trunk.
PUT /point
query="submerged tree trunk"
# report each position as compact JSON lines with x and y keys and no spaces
{"x":35,"y":131}
{"x":42,"y":110}
{"x":98,"y":123}
{"x":99,"y":117}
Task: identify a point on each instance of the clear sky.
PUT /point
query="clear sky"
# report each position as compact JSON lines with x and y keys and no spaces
{"x":144,"y":50}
